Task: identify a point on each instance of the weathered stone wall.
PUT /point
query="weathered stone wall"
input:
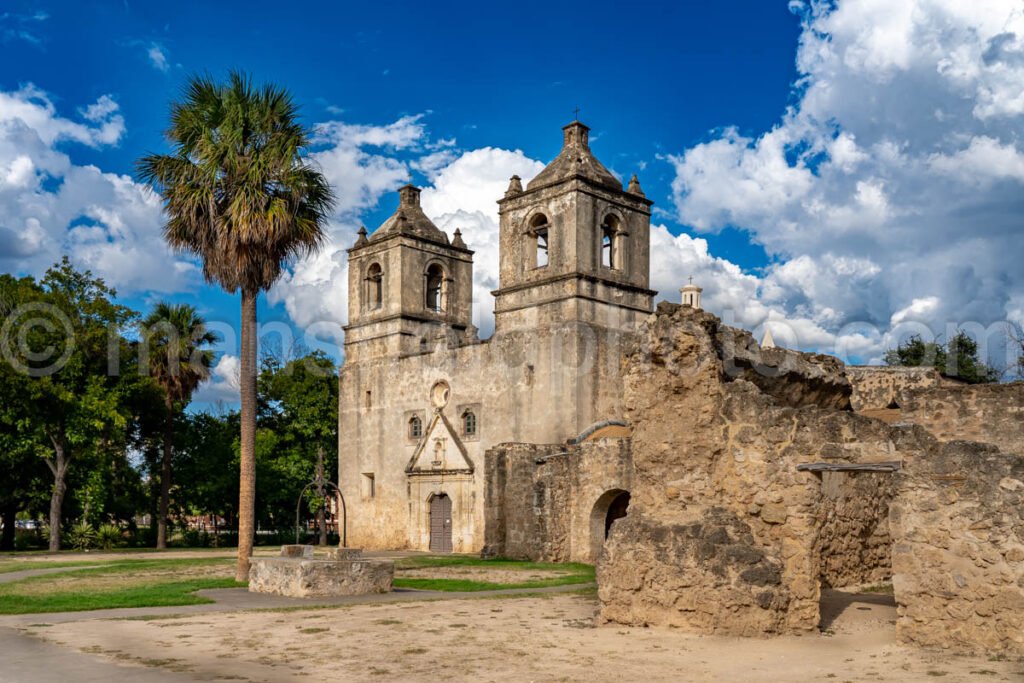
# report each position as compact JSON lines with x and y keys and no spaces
{"x":948,"y":408}
{"x":877,"y":387}
{"x":958,"y":558}
{"x":540,"y":499}
{"x":308,"y":577}
{"x":721,"y":535}
{"x":853,"y":528}
{"x":991,"y":413}
{"x":519,"y":514}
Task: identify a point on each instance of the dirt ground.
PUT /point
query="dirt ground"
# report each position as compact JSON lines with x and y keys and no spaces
{"x":482,"y":574}
{"x":550,"y":638}
{"x":38,"y":559}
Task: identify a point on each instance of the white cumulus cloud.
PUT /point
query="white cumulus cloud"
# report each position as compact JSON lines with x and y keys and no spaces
{"x":50,"y":206}
{"x":891,"y":187}
{"x":222,"y":388}
{"x":362,"y":164}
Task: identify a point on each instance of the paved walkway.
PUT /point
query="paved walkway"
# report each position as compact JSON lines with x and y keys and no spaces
{"x":24,"y":659}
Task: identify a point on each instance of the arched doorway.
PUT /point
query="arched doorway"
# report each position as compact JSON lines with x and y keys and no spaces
{"x":616,"y":510}
{"x":612,"y":505}
{"x":440,"y":523}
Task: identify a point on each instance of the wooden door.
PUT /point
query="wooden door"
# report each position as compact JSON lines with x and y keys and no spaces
{"x":441,"y":524}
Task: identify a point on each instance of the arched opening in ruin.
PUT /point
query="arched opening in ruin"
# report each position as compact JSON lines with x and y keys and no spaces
{"x":612,"y":505}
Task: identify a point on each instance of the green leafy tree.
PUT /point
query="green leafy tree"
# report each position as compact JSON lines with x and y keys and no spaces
{"x":206,"y":464}
{"x":240,"y":194}
{"x":958,"y":358}
{"x":78,"y":380}
{"x":22,"y":472}
{"x":963,"y":363}
{"x":298,"y":418}
{"x":174,"y":340}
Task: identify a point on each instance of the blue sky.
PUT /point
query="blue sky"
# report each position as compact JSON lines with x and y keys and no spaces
{"x":649,"y":80}
{"x":843,"y":170}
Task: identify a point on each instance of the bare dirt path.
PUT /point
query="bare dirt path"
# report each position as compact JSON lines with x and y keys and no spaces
{"x":537,"y":638}
{"x":31,"y":660}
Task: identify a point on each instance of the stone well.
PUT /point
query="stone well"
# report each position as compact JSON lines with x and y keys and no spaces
{"x":300,"y":574}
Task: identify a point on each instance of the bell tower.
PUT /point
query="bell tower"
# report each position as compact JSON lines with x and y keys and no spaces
{"x":575,"y":245}
{"x":409,"y":286}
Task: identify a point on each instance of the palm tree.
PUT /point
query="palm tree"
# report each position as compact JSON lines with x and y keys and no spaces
{"x":173,"y":339}
{"x":241,"y":194}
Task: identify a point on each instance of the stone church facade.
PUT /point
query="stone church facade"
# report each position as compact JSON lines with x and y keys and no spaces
{"x":423,"y":397}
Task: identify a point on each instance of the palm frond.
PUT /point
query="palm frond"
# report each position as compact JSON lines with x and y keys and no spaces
{"x":238,"y":189}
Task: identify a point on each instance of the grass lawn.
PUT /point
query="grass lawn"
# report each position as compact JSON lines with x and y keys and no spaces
{"x":8,"y":566}
{"x":121,"y":583}
{"x":470,"y":574}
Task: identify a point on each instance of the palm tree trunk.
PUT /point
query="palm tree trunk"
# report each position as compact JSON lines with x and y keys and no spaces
{"x":247,"y":475}
{"x":165,"y":475}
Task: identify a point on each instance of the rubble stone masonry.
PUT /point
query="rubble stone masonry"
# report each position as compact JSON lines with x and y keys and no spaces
{"x":958,"y":559}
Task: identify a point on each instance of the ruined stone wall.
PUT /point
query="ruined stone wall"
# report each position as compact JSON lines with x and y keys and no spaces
{"x":853,"y":528}
{"x":877,"y":387}
{"x":721,"y":535}
{"x":991,"y":413}
{"x":540,"y":499}
{"x":958,"y":558}
{"x":949,"y":409}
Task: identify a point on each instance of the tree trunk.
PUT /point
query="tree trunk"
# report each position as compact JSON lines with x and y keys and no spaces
{"x":9,"y":514}
{"x":165,"y":475}
{"x":247,"y":475}
{"x":59,"y":468}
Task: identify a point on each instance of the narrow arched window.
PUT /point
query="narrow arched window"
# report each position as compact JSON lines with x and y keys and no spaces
{"x":537,"y":246}
{"x":415,"y":427}
{"x":607,"y":248}
{"x":611,"y":243}
{"x":374,"y":286}
{"x":469,"y":423}
{"x":435,"y":288}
